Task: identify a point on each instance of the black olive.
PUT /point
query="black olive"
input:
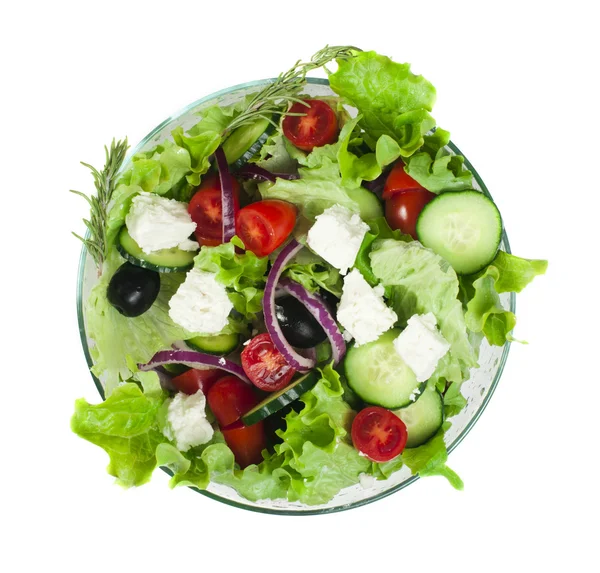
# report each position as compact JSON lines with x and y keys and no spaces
{"x":132,"y":290}
{"x":330,"y":300}
{"x":300,"y":328}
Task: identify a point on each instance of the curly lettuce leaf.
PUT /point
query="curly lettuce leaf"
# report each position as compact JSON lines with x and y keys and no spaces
{"x":243,"y":274}
{"x":418,"y":281}
{"x":515,"y":273}
{"x":125,"y":426}
{"x":430,"y":459}
{"x":313,"y":273}
{"x":435,"y":168}
{"x":390,"y":98}
{"x":119,"y":342}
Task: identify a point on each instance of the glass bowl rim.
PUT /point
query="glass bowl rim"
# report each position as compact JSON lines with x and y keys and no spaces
{"x":263,"y":509}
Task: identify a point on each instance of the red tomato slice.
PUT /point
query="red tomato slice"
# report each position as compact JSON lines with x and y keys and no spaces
{"x":379,"y":434}
{"x":206,"y":211}
{"x":316,"y":128}
{"x":246,"y":442}
{"x":265,"y":225}
{"x":230,"y":398}
{"x":193,"y":380}
{"x":399,"y":180}
{"x":265,"y":365}
{"x":404,"y":208}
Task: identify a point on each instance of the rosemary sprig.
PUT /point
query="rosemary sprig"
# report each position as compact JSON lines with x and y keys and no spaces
{"x":104,"y":182}
{"x":275,"y":98}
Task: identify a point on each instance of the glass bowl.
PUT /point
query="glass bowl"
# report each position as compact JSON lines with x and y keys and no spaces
{"x":477,"y":390}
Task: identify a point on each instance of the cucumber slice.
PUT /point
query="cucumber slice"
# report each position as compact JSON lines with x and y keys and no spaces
{"x":278,"y":400}
{"x":370,"y":205}
{"x":164,"y":261}
{"x":423,"y":418}
{"x":220,"y":344}
{"x":378,"y":375}
{"x":245,"y":142}
{"x":463,"y":227}
{"x":176,"y":369}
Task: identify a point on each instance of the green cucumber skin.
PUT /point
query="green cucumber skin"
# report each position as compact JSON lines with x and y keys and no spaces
{"x":279,"y":400}
{"x":124,"y":240}
{"x":237,"y":151}
{"x":424,"y":437}
{"x":207,"y":344}
{"x":427,"y":219}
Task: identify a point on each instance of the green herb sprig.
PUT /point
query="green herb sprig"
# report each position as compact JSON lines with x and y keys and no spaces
{"x":104,"y":182}
{"x":276,"y":97}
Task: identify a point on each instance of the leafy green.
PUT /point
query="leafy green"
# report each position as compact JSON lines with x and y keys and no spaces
{"x":515,"y":273}
{"x":323,"y":184}
{"x":243,"y":274}
{"x":125,"y":426}
{"x":120,"y":343}
{"x":430,"y":459}
{"x":275,"y":155}
{"x":390,"y":98}
{"x":454,"y":401}
{"x":418,"y":281}
{"x":312,"y":272}
{"x":435,"y":168}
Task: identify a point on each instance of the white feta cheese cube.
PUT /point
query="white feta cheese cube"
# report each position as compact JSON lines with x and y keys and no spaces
{"x":157,"y":223}
{"x":421,"y":345}
{"x":362,"y":310}
{"x":336,"y":236}
{"x":200,"y":304}
{"x":187,"y":425}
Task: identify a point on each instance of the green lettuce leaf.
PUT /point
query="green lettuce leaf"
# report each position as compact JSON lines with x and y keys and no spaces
{"x":312,"y":272}
{"x":243,"y":274}
{"x":435,"y":168}
{"x":515,"y":273}
{"x":125,"y":426}
{"x":418,"y":281}
{"x":275,"y":155}
{"x":454,"y":401}
{"x":392,"y":100}
{"x":430,"y":460}
{"x":120,"y":343}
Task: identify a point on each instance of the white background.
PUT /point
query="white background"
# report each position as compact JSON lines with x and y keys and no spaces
{"x":517,"y":87}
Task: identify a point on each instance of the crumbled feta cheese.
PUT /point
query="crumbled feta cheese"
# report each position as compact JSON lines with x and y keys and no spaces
{"x":222,"y":361}
{"x":362,"y":311}
{"x":200,"y":304}
{"x":366,"y":481}
{"x":414,"y":394}
{"x":421,"y":345}
{"x":157,"y":223}
{"x":187,"y":424}
{"x":336,"y":236}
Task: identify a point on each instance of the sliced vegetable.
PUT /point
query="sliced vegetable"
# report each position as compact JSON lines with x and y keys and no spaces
{"x":463,"y":227}
{"x":228,"y":207}
{"x":194,"y":379}
{"x":423,"y":418}
{"x":300,"y":328}
{"x":205,"y":209}
{"x":379,"y":434}
{"x":194,"y":360}
{"x":310,"y":124}
{"x":319,"y":309}
{"x":399,"y":180}
{"x":246,"y":141}
{"x":378,"y":375}
{"x":295,"y":360}
{"x":229,"y":398}
{"x":264,"y":226}
{"x":265,"y":365}
{"x":246,"y":442}
{"x":132,"y":290}
{"x":403,"y":208}
{"x":220,"y":344}
{"x":164,"y":261}
{"x":280,"y":399}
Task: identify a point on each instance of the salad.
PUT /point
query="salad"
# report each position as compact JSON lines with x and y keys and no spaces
{"x":292,"y":292}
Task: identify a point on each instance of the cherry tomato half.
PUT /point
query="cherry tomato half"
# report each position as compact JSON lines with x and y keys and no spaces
{"x":265,"y":225}
{"x":246,"y":442}
{"x":399,"y":180}
{"x":318,"y":127}
{"x":403,"y":210}
{"x":194,"y":379}
{"x":379,"y":434}
{"x":205,"y":209}
{"x":265,"y":365}
{"x":230,"y":398}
